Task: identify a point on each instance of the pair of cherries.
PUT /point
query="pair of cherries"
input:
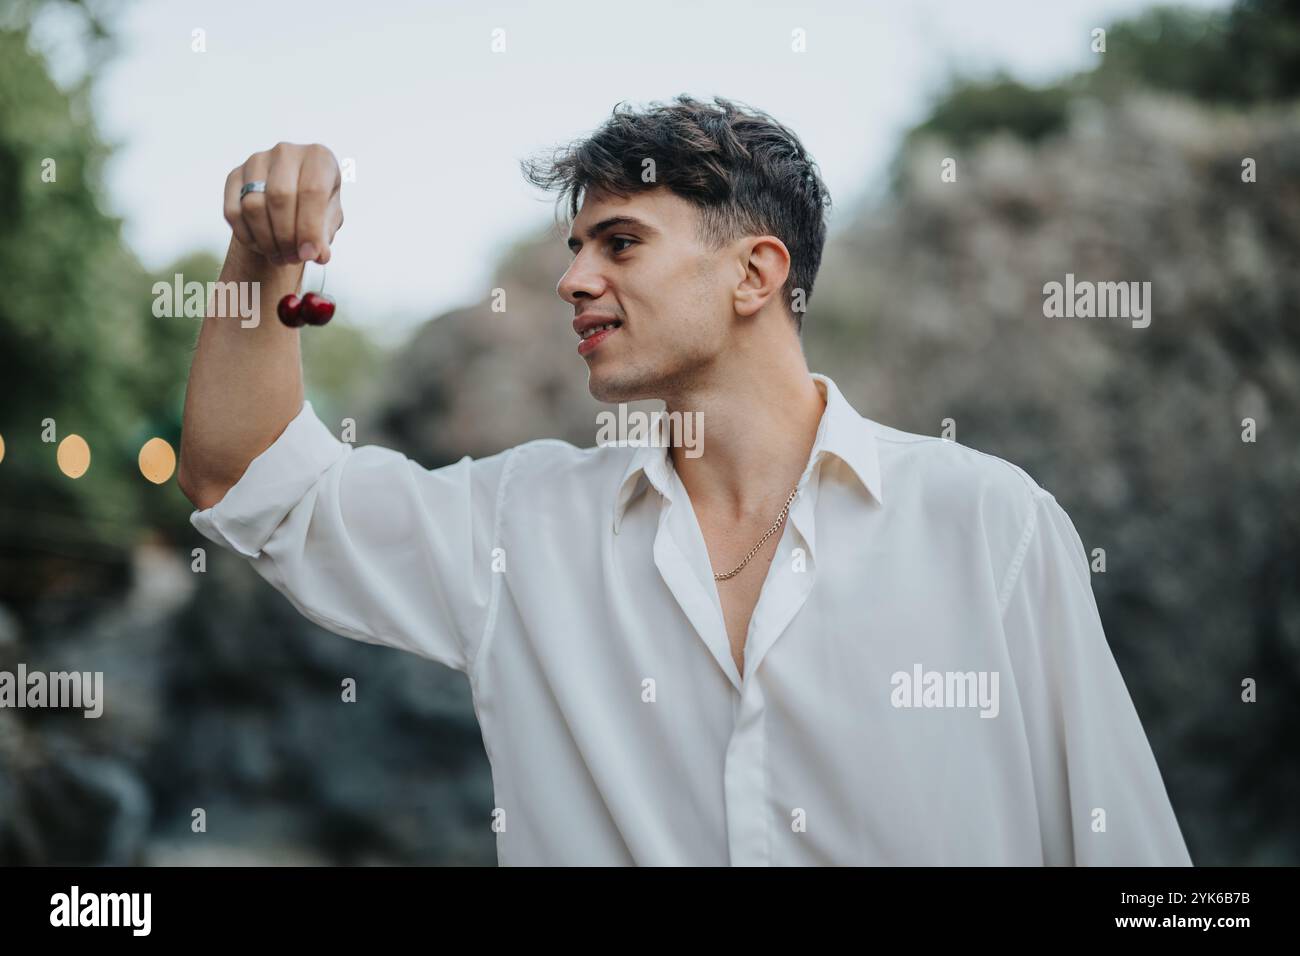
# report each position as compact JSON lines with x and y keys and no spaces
{"x":311,"y":309}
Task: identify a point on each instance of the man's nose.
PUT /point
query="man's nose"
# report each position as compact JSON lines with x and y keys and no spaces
{"x":580,"y":281}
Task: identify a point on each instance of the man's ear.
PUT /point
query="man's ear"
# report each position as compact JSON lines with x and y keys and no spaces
{"x":765,"y":265}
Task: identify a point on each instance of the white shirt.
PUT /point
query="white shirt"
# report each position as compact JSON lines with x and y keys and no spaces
{"x":574,"y":588}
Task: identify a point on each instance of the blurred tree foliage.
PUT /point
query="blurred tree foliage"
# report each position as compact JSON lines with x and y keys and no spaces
{"x":971,"y":109}
{"x":1245,"y":54}
{"x":78,"y":341}
{"x":1249,"y":53}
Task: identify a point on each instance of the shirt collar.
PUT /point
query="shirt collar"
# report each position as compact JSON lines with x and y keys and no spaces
{"x":842,"y":433}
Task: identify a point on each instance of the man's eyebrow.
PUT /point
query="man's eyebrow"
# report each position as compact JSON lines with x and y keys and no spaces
{"x":611,"y":223}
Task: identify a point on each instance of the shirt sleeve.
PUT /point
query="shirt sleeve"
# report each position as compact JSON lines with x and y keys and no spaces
{"x":1089,"y":753}
{"x":365,"y":542}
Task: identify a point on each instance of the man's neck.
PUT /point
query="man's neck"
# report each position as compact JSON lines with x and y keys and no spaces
{"x":759,"y":425}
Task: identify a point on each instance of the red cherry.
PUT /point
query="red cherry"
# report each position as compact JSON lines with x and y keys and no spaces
{"x":290,"y":311}
{"x":317,"y":309}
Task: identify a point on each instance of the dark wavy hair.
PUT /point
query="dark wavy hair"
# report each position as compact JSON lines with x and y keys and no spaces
{"x":744,"y":171}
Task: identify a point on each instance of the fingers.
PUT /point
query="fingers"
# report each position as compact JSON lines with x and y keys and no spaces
{"x":282,"y":201}
{"x":232,"y":211}
{"x":252,"y":207}
{"x":318,"y":204}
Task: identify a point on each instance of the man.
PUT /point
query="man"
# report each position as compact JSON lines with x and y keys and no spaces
{"x":821,"y":641}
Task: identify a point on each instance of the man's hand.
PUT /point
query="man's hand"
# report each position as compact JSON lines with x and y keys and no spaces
{"x":296,"y":219}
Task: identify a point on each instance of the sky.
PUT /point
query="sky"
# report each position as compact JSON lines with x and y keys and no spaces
{"x":436,"y":122}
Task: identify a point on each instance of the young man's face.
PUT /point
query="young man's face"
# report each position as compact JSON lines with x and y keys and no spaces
{"x":638,"y":262}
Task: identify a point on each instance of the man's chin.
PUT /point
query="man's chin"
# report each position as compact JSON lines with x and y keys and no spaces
{"x":611,"y":388}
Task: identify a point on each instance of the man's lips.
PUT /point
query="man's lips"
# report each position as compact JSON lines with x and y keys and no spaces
{"x":592,"y":342}
{"x":594,"y":328}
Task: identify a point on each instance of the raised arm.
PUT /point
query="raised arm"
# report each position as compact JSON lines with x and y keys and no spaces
{"x":245,"y":381}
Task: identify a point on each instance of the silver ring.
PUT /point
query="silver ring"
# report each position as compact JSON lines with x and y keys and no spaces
{"x":256,"y":186}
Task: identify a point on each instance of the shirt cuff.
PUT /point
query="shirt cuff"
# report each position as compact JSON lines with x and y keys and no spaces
{"x":273,"y":483}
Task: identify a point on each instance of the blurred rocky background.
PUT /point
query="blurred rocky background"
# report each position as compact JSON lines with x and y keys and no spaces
{"x":929,"y":307}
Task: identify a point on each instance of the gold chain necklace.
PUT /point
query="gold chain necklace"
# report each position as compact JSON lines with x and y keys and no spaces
{"x":766,"y":534}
